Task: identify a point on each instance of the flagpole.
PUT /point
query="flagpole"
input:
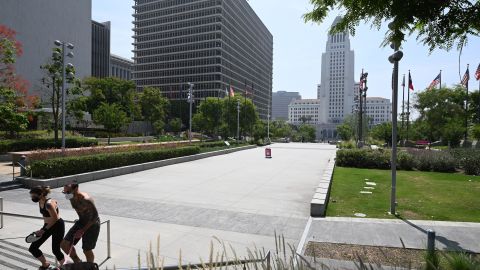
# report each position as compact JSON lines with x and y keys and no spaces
{"x":466,"y":107}
{"x":403,"y":102}
{"x":408,"y":104}
{"x":440,"y":86}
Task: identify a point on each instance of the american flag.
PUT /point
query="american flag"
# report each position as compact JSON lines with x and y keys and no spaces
{"x":232,"y":92}
{"x":477,"y":73}
{"x":466,"y":78}
{"x":435,"y":81}
{"x":410,"y":82}
{"x":362,"y":81}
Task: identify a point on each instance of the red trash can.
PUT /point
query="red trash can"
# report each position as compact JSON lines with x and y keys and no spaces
{"x":268,"y":153}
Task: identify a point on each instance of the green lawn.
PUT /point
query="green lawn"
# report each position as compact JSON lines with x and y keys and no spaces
{"x":420,"y":195}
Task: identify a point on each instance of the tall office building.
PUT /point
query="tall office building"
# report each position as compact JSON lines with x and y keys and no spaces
{"x":120,"y":67}
{"x":337,"y":83}
{"x":280,"y":102}
{"x":100,"y":49}
{"x":211,"y":43}
{"x":38,"y":24}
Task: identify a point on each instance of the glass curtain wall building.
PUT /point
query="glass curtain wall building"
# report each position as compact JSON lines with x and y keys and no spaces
{"x":215,"y":44}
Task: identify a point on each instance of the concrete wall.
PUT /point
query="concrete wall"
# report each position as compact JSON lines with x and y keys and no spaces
{"x":39,"y":23}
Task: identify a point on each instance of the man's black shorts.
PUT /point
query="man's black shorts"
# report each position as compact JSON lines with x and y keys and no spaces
{"x":90,"y":237}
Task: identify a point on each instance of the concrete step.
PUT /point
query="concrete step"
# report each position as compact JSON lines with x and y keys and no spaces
{"x":14,"y":256}
{"x":9,"y":185}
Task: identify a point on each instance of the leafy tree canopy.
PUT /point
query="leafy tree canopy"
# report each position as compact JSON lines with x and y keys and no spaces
{"x":438,"y":23}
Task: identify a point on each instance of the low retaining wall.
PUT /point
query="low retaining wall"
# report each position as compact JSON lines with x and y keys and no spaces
{"x":97,"y":175}
{"x":127,"y":139}
{"x":318,"y":206}
{"x":5,"y":158}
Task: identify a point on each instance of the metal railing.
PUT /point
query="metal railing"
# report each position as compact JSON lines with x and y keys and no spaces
{"x":267,"y":259}
{"x":107,"y":222}
{"x":24,"y":167}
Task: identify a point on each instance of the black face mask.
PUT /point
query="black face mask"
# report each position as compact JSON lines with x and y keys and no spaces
{"x":35,"y":199}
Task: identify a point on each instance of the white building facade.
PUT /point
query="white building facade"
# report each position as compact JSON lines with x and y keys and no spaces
{"x":336,"y":90}
{"x":378,"y":110}
{"x":304,"y":110}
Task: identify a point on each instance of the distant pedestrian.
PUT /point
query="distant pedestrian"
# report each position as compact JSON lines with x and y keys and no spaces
{"x":87,"y":227}
{"x":53,"y":226}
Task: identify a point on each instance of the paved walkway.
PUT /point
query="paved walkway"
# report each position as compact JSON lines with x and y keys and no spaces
{"x":241,"y":198}
{"x":6,"y":171}
{"x":395,"y":233}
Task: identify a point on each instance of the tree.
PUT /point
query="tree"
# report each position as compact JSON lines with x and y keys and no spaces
{"x":248,"y":116}
{"x":112,"y":91}
{"x":154,"y":107}
{"x":14,"y":99}
{"x":281,"y":129}
{"x":53,"y":81}
{"x":111,"y":116}
{"x":440,"y":111}
{"x":439,"y":24}
{"x":207,"y":116}
{"x":175,"y":125}
{"x":382,"y":132}
{"x":345,"y":131}
{"x":307,"y":133}
{"x":476,"y":132}
{"x":159,"y":126}
{"x":260,"y":130}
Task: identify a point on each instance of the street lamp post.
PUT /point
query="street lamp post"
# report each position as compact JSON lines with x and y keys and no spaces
{"x":394,"y":59}
{"x":238,"y":120}
{"x":190,"y":101}
{"x":268,"y":123}
{"x":70,"y":46}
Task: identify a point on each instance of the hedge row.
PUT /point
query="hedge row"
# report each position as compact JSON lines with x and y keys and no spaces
{"x":44,"y":143}
{"x":422,"y":160}
{"x":75,"y":165}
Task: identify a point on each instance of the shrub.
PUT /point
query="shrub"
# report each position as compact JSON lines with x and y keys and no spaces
{"x":442,"y":162}
{"x":405,"y":161}
{"x":423,"y":161}
{"x":363,"y":158}
{"x":437,"y":161}
{"x":472,"y":164}
{"x":347,"y":145}
{"x":88,"y":151}
{"x":75,"y":165}
{"x":46,"y":143}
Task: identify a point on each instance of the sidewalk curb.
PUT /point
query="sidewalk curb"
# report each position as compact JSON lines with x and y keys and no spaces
{"x":98,"y":175}
{"x":318,"y":206}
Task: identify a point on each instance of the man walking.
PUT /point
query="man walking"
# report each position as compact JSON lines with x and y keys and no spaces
{"x":87,"y":227}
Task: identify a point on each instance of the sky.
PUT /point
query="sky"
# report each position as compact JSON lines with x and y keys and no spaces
{"x":298,"y":48}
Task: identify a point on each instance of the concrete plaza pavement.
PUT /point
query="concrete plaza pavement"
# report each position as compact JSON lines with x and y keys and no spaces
{"x":240,"y":198}
{"x":458,"y":236}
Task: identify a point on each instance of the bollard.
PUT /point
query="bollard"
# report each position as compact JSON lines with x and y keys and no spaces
{"x":431,"y":241}
{"x":23,"y":164}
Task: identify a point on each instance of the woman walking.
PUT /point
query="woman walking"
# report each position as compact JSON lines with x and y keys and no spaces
{"x":53,"y":226}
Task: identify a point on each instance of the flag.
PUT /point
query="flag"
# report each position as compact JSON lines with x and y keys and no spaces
{"x":362,"y":80}
{"x":466,"y":78}
{"x":477,"y":73}
{"x":403,"y":81}
{"x":435,"y":81}
{"x":232,"y":92}
{"x":410,"y":82}
{"x":226,"y":91}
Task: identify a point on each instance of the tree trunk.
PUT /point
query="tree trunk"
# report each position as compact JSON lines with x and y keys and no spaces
{"x":108,"y":139}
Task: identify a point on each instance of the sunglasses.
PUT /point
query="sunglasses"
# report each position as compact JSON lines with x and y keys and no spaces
{"x":67,"y":192}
